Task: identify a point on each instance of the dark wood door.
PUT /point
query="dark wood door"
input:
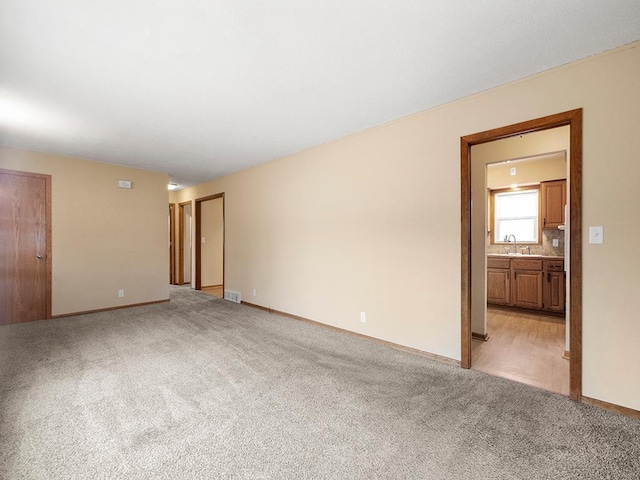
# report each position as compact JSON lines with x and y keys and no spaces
{"x":172,"y":261}
{"x":25,"y":292}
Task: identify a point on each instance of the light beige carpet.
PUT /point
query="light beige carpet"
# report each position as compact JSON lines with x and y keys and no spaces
{"x":204,"y":388}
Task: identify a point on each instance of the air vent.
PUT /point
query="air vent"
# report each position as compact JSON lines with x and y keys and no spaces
{"x":232,"y":296}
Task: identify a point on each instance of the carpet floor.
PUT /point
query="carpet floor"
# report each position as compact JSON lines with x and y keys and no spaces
{"x":203,"y":388}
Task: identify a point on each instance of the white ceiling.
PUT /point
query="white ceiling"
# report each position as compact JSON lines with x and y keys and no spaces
{"x":201,"y":88}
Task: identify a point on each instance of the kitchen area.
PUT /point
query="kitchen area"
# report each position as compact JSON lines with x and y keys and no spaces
{"x":529,"y":275}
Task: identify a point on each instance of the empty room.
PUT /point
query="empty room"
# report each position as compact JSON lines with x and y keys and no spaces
{"x":336,"y":240}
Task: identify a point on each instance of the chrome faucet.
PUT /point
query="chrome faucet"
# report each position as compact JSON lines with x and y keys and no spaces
{"x":515,"y":243}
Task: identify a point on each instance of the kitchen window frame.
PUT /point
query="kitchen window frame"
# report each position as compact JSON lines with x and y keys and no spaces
{"x":492,"y":218}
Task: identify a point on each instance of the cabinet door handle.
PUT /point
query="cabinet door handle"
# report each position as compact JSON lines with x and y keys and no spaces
{"x":549,"y":277}
{"x":508,"y":275}
{"x":544,"y":221}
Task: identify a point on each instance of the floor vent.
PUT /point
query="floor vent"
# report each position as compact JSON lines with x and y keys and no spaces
{"x":232,"y":296}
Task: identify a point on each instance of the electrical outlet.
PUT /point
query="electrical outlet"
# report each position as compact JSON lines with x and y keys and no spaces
{"x":255,"y":292}
{"x":363,"y":317}
{"x":120,"y":293}
{"x":555,"y":242}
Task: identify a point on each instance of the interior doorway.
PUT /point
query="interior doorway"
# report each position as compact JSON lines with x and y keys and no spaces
{"x":473,"y":245}
{"x":185,"y":234}
{"x":519,"y":326}
{"x":25,"y":236}
{"x":209,"y":244}
{"x":172,"y":259}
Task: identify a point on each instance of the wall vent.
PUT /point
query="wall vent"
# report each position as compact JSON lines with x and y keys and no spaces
{"x":232,"y":296}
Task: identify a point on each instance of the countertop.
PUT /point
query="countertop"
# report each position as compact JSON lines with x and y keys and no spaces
{"x":519,"y":255}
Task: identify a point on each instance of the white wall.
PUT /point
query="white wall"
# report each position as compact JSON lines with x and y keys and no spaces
{"x":371,"y":222}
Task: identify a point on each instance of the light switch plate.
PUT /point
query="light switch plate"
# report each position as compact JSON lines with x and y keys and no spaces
{"x":596,"y":235}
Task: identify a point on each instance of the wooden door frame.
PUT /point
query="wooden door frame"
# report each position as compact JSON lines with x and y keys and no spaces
{"x":48,"y":230}
{"x":573,"y":119}
{"x":182,"y":245}
{"x":172,"y":244}
{"x":198,"y":242}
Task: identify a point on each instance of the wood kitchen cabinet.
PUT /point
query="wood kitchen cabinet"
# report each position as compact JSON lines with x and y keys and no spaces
{"x":554,"y":286}
{"x":527,"y":283}
{"x":499,"y":281}
{"x":533,"y":283}
{"x":554,"y":198}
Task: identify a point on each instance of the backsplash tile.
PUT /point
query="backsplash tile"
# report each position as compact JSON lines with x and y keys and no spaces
{"x":545,"y":249}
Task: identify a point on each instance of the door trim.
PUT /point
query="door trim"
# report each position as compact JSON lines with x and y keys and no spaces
{"x":573,"y":118}
{"x":198,"y":235}
{"x":48,"y":230}
{"x":181,"y":237}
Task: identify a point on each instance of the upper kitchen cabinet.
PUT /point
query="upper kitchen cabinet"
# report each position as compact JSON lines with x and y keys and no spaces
{"x":554,"y":198}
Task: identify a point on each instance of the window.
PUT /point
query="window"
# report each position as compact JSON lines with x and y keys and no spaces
{"x":516,"y":212}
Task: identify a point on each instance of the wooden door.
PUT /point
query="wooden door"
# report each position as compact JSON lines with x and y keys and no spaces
{"x":25,"y":256}
{"x":172,"y":261}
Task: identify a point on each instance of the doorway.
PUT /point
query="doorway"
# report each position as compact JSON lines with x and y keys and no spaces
{"x":209,"y":243}
{"x":519,"y":327}
{"x":172,"y":260}
{"x":185,"y":233}
{"x":473,"y":253}
{"x":25,"y":236}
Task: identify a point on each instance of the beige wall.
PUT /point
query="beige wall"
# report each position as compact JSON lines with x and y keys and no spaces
{"x":104,"y":238}
{"x":371,"y":222}
{"x":212,"y":231}
{"x":530,"y":171}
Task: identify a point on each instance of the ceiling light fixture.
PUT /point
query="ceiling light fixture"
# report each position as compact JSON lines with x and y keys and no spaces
{"x":172,"y":186}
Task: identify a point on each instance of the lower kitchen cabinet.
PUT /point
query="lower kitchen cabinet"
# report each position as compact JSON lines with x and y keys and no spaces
{"x":554,"y":286}
{"x":527,"y":289}
{"x":499,"y":281}
{"x":531,"y":283}
{"x":498,"y":286}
